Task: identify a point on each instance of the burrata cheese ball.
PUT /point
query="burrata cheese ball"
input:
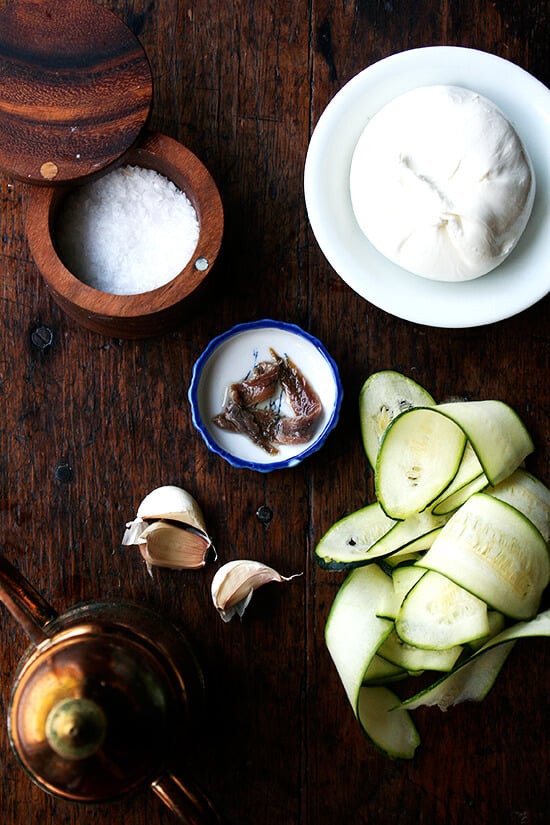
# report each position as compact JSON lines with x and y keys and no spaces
{"x":441,"y":183}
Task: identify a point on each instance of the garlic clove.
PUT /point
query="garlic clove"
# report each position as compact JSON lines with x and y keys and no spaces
{"x":165,"y":544}
{"x":235,"y":582}
{"x":172,"y":503}
{"x":170,"y":530}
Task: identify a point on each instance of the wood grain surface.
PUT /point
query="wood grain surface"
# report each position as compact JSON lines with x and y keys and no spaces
{"x":76,"y":89}
{"x":89,"y":425}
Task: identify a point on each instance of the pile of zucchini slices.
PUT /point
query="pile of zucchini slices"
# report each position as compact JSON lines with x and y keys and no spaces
{"x":447,"y":568}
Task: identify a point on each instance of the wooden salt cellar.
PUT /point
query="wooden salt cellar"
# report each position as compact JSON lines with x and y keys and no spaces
{"x":75,"y":97}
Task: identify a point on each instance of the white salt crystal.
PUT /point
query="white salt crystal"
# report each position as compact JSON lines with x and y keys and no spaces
{"x":129,"y":232}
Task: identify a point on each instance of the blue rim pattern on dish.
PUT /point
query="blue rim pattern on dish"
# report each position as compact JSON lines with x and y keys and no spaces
{"x":199,"y":424}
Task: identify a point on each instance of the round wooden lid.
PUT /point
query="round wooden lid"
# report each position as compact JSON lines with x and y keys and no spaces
{"x":75,"y":89}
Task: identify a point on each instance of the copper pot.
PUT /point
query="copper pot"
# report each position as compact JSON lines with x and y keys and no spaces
{"x":100,"y":700}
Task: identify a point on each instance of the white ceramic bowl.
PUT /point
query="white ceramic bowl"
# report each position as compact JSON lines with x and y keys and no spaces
{"x":521,"y":280}
{"x":229,"y":357}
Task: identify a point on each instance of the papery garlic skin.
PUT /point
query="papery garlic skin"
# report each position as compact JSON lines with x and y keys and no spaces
{"x":169,"y":530}
{"x":235,"y":582}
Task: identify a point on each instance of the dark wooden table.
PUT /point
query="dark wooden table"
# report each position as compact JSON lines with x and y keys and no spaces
{"x":88,"y":425}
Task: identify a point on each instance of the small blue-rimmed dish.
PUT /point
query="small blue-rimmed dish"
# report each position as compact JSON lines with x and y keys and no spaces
{"x":230,"y":358}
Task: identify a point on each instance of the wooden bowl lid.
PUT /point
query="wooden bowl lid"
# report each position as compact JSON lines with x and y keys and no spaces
{"x":75,"y":89}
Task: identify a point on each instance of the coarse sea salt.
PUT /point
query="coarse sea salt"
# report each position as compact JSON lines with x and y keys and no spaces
{"x":128,"y":232}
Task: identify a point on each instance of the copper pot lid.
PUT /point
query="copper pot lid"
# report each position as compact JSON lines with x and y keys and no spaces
{"x":75,"y":90}
{"x":94,"y":714}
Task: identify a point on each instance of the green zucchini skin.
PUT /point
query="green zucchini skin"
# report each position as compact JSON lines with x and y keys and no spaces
{"x":492,"y":550}
{"x":355,"y":606}
{"x":455,"y":687}
{"x":384,"y":395}
{"x":495,"y":431}
{"x":419,"y":457}
{"x":369,"y":534}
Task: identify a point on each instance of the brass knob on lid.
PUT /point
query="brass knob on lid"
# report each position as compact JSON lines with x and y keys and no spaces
{"x":76,"y":728}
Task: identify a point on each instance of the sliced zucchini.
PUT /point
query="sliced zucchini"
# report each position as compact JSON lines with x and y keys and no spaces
{"x":401,"y":557}
{"x":496,"y":433}
{"x":529,"y":495}
{"x":470,"y":682}
{"x":380,"y":671}
{"x":389,"y":605}
{"x":469,"y":470}
{"x":497,"y":623}
{"x":355,"y":607}
{"x":408,"y":538}
{"x":450,"y":563}
{"x":415,"y":659}
{"x":369,"y":534}
{"x":418,"y":458}
{"x":404,"y":578}
{"x":476,"y":682}
{"x":413,"y":551}
{"x":494,"y":552}
{"x":438,"y":614}
{"x":450,"y":503}
{"x":384,"y":395}
{"x":391,"y":730}
{"x":349,"y":540}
